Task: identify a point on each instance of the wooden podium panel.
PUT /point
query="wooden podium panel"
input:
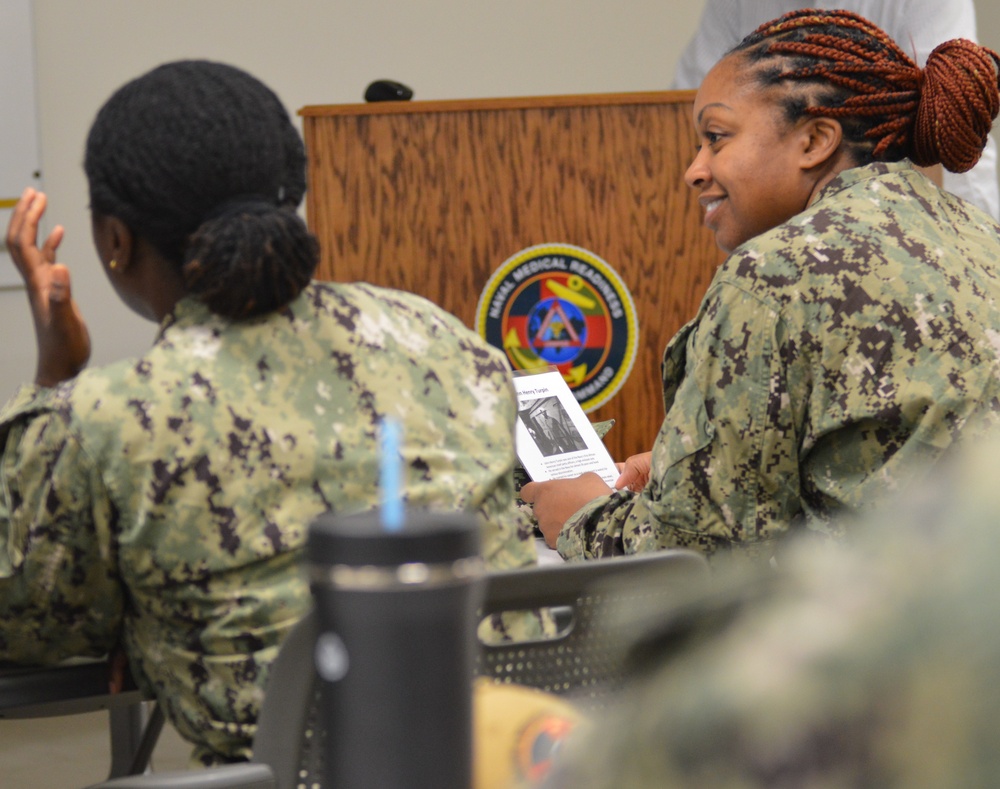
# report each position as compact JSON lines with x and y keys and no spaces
{"x":433,"y":197}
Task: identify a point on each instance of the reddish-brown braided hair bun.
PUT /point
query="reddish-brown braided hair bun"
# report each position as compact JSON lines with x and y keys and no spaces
{"x":958,"y":104}
{"x":838,"y":64}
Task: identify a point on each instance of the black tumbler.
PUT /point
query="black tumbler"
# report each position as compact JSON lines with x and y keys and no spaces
{"x":395,"y":650}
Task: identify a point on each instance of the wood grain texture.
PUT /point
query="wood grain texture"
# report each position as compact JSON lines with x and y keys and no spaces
{"x":434,"y":200}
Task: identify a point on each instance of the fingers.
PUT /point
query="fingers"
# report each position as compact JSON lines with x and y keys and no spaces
{"x":630,"y":479}
{"x":27,"y":213}
{"x":635,"y":472}
{"x":22,"y":232}
{"x":589,"y":485}
{"x":59,"y":290}
{"x":52,"y":243}
{"x":528,"y":492}
{"x":16,"y":223}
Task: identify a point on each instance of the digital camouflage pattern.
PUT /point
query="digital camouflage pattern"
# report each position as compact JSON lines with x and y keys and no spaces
{"x":832,"y":357}
{"x":872,"y":661}
{"x":165,"y":501}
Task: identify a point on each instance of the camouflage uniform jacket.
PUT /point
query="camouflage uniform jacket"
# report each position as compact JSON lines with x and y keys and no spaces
{"x":830,"y":357}
{"x":872,"y":661}
{"x":165,"y":501}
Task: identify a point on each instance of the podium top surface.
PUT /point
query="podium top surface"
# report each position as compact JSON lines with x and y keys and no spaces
{"x":509,"y":103}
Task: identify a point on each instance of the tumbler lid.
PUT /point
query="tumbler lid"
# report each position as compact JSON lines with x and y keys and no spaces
{"x":361,"y":539}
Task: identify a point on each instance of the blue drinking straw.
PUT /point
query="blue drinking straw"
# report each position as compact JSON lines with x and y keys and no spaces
{"x":390,"y":467}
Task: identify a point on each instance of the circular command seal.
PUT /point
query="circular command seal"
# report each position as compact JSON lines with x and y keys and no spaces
{"x":562,"y":306}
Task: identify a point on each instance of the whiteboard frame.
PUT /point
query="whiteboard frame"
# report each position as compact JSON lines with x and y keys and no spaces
{"x":20,"y":157}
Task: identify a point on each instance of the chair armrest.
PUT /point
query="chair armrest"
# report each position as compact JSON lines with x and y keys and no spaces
{"x":64,"y":689}
{"x":247,"y":775}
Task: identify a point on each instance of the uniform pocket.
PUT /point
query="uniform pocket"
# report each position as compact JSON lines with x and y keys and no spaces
{"x":685,"y":430}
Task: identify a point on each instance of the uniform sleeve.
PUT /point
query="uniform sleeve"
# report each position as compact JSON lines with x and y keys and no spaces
{"x":59,"y":591}
{"x":725,"y":462}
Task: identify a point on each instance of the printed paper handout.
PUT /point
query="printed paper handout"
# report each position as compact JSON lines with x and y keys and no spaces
{"x":553,"y":437}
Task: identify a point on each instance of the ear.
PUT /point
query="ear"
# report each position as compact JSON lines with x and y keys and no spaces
{"x":820,"y":140}
{"x":113,"y":240}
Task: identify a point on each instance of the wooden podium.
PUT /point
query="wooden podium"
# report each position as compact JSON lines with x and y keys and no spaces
{"x":433,"y":197}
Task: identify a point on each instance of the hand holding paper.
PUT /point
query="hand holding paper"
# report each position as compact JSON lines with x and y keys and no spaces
{"x":560,"y":450}
{"x":555,"y":501}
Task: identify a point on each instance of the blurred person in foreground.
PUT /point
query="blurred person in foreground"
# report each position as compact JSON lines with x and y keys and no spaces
{"x":851,"y":334}
{"x":163,"y":502}
{"x":869,"y":662}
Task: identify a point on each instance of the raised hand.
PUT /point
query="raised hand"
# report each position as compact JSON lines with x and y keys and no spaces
{"x":61,"y":333}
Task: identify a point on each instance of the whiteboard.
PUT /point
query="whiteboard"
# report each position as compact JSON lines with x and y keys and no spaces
{"x":20,"y":162}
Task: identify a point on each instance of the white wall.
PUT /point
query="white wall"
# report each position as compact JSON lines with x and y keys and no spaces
{"x":318,"y":52}
{"x":309,"y":52}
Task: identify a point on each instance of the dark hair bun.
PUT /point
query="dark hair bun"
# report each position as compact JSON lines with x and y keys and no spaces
{"x":200,"y":159}
{"x":958,"y":103}
{"x":249,"y":258}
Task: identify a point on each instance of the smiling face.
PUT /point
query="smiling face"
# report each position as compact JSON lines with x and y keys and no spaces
{"x":753,"y":170}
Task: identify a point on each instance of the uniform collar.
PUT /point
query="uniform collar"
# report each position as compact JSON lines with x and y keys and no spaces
{"x":856,"y":175}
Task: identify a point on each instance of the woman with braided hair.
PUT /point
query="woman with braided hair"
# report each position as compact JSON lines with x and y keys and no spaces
{"x":917,"y":26}
{"x":162,"y":503}
{"x":853,"y":333}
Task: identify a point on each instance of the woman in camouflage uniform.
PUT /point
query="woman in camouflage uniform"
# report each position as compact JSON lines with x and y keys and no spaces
{"x":163,"y":502}
{"x":852,"y":333}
